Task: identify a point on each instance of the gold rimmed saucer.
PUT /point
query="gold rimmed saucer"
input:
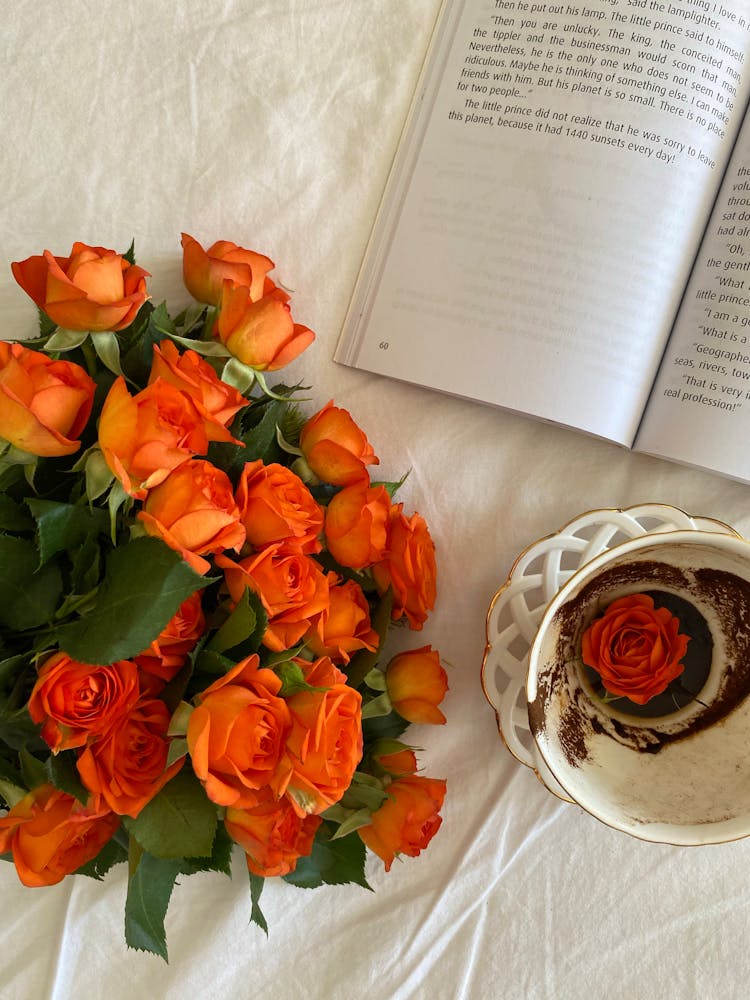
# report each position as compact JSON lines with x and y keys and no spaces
{"x":535,"y":578}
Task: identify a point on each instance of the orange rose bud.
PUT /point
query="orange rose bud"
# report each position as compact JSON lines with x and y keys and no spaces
{"x":237,"y":734}
{"x":167,"y":654}
{"x":356,"y":525}
{"x":292,"y":587}
{"x":335,"y":448}
{"x":398,"y":763}
{"x":407,"y":821}
{"x":204,"y":271}
{"x":92,"y":289}
{"x":416,"y":684}
{"x":194,"y":512}
{"x":277,"y":508}
{"x":51,"y":834}
{"x":216,"y":401}
{"x":344,"y":627}
{"x":272,"y":835}
{"x":44,"y":404}
{"x":128,"y":766}
{"x":144,"y":437}
{"x":75,"y":702}
{"x":325,"y":742}
{"x":260,"y":333}
{"x":409,"y":568}
{"x":636,"y":648}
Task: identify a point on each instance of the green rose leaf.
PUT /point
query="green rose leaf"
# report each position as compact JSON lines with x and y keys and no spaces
{"x":220,"y":859}
{"x":110,"y":855}
{"x":61,"y":772}
{"x":62,"y":526}
{"x":12,"y":516}
{"x":18,"y":731}
{"x":179,"y":822}
{"x":257,"y":882}
{"x":331,"y":862}
{"x":144,"y":585}
{"x":149,"y":891}
{"x":28,"y":597}
{"x":239,"y":626}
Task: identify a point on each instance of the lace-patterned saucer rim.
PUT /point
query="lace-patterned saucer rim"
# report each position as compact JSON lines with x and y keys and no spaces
{"x":607,"y":528}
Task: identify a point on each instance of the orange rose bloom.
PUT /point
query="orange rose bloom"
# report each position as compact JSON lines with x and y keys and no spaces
{"x":52,"y":834}
{"x":325,"y":743}
{"x":76,"y":702}
{"x":407,"y":821}
{"x":44,"y":404}
{"x":204,"y":271}
{"x":356,"y":525}
{"x":236,"y":736}
{"x":216,"y":401}
{"x":635,"y":648}
{"x":335,"y":448}
{"x":167,"y":654}
{"x":194,"y":512}
{"x":260,"y":333}
{"x":409,"y":568}
{"x":416,"y":684}
{"x":272,"y":835}
{"x":128,"y":766}
{"x":276,"y":507}
{"x":144,"y":437}
{"x":344,"y":627}
{"x":92,"y":289}
{"x":292,"y":587}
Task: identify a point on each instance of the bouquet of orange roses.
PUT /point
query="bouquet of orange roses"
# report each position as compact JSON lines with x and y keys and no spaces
{"x":197,"y":585}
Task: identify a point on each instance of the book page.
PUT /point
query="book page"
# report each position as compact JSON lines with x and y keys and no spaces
{"x":699,"y":412}
{"x":543,"y":214}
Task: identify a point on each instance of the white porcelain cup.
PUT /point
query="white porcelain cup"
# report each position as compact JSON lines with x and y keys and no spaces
{"x":681,"y":776}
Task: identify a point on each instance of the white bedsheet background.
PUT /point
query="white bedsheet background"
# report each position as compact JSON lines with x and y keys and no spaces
{"x":273,"y":124}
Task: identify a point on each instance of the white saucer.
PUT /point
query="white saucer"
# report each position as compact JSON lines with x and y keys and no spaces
{"x":535,"y":578}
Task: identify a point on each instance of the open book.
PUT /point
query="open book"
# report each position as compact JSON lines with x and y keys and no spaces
{"x":566,"y":228}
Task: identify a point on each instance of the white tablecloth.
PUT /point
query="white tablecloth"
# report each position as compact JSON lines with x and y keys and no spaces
{"x":273,"y":124}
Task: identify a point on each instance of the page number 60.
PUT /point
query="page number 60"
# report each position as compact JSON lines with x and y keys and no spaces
{"x":383,"y":345}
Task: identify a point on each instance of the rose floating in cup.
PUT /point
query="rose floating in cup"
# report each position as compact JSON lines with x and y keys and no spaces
{"x":636,"y":648}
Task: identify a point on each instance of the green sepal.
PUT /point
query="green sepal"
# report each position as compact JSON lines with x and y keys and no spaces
{"x":207,"y":348}
{"x":144,"y":584}
{"x":292,"y":679}
{"x":240,"y":376}
{"x":47,"y":326}
{"x":257,"y":883}
{"x":99,"y":476}
{"x":107,"y":348}
{"x":377,"y":706}
{"x":63,"y":340}
{"x":375,"y":679}
{"x":17,"y":731}
{"x":149,"y":891}
{"x":179,"y":822}
{"x":129,"y":254}
{"x":390,"y":487}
